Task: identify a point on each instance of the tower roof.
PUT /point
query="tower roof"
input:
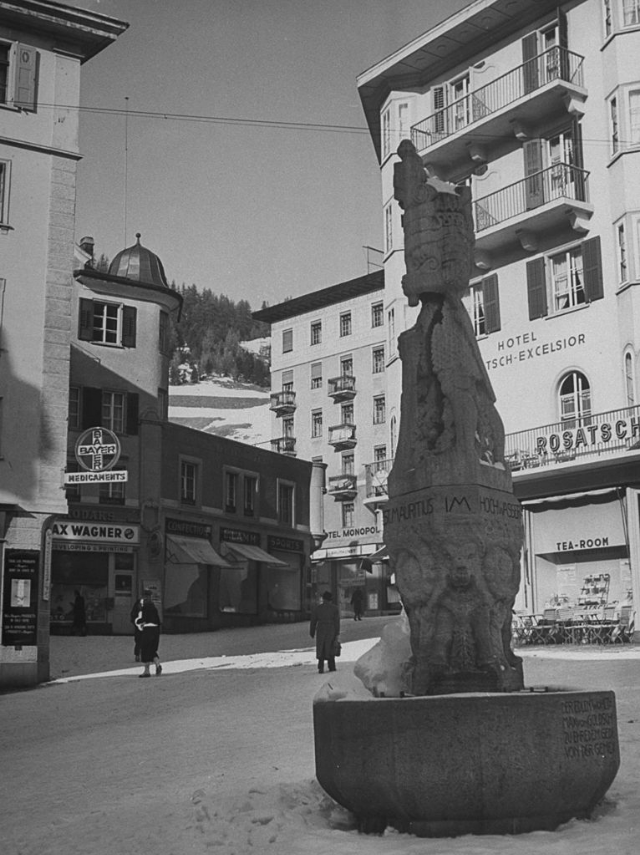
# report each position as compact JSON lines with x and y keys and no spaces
{"x":139,"y":264}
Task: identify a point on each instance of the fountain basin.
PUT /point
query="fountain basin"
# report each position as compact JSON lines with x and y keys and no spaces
{"x":441,"y":766}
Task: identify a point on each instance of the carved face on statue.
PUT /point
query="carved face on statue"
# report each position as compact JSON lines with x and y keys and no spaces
{"x":465,"y":564}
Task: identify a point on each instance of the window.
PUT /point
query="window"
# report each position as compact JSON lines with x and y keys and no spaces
{"x":379,"y":410}
{"x":74,"y":408}
{"x":607,"y":18}
{"x":107,"y":323}
{"x":461,"y":113}
{"x":18,"y":75}
{"x":623,"y":273}
{"x":316,"y":332}
{"x":348,"y":464}
{"x":230,"y":492}
{"x":634,"y":117}
{"x":629,"y":380}
{"x":348,"y":514}
{"x":393,"y":434}
{"x":316,"y":423}
{"x":113,"y":411}
{"x":112,"y":493}
{"x":388,"y":228}
{"x":485,"y":306}
{"x":630,"y":13}
{"x":377,"y":315}
{"x":188,"y":482}
{"x":386,"y":132}
{"x":345,"y":324}
{"x":285,"y":503}
{"x":287,"y":427}
{"x":347,"y":414}
{"x":565,"y":280}
{"x":613,"y":125}
{"x":391,"y":325}
{"x":250,"y":492}
{"x":287,"y":341}
{"x":287,"y":380}
{"x":316,"y":375}
{"x":163,"y":333}
{"x":378,"y":360}
{"x":575,"y":399}
{"x":5,"y":166}
{"x":346,"y":366}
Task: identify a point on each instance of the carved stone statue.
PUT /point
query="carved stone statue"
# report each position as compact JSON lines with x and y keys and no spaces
{"x":452,"y":525}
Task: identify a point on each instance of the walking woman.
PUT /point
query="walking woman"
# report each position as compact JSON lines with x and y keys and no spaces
{"x":148,"y":623}
{"x":325,"y":628}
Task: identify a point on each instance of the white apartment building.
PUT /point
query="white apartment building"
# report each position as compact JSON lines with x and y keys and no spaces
{"x":536,"y":106}
{"x":329,"y":354}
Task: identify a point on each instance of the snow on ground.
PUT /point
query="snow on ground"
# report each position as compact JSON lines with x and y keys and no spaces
{"x":217,"y":756}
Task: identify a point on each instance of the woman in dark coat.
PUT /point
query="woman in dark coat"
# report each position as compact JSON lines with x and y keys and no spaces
{"x":325,"y":628}
{"x":148,"y":623}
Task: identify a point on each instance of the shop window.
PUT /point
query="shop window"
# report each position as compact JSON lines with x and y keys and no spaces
{"x":286,"y":503}
{"x":575,"y":400}
{"x":186,"y":590}
{"x":87,"y":572}
{"x":112,"y":324}
{"x":238,"y":589}
{"x":18,"y":75}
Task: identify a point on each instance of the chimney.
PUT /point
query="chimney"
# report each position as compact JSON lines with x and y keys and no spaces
{"x":86,"y":245}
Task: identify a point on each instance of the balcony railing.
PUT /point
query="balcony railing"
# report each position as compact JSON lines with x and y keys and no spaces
{"x":555,"y":64}
{"x":342,"y":436}
{"x":583,"y":440}
{"x":343,"y":487}
{"x":284,"y":445}
{"x":342,"y":388}
{"x":376,"y":476}
{"x":283,"y":403}
{"x":560,"y":181}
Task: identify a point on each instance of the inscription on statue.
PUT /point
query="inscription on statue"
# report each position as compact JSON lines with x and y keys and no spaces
{"x":590,"y":728}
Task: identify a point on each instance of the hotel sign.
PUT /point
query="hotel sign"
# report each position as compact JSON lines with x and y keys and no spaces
{"x":97,"y":452}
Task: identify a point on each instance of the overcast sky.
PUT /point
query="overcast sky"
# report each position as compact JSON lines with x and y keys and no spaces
{"x":256,"y":212}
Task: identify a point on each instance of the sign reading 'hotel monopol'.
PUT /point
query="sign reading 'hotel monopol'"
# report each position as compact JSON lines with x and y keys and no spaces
{"x":97,"y":452}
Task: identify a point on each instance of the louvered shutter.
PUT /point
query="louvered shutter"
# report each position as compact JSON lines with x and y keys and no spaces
{"x":438,"y":103}
{"x":85,"y":320}
{"x":536,"y":288}
{"x":129,"y":315}
{"x":578,"y":161}
{"x":530,"y":62}
{"x":491,"y":303}
{"x":26,"y":78}
{"x":91,"y":407}
{"x":132,"y":414}
{"x":592,"y":269}
{"x":563,"y":42}
{"x":532,"y":151}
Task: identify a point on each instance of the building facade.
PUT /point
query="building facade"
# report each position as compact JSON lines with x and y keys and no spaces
{"x":535,"y":106}
{"x":329,"y":403}
{"x":42,"y":48}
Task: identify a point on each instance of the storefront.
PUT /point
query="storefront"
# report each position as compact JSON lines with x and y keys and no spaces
{"x":98,"y":559}
{"x":342,"y":569}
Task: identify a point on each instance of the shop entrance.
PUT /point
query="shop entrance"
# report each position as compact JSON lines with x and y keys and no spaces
{"x":121,"y":586}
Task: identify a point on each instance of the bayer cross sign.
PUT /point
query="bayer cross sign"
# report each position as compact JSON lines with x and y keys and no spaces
{"x":97,"y":452}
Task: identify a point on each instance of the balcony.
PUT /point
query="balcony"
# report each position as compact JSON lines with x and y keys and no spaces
{"x":284,"y":445}
{"x":599,"y":437}
{"x":376,"y":476}
{"x":548,"y":200}
{"x":343,"y":487}
{"x":342,"y":437}
{"x":546,"y":87}
{"x":342,"y":388}
{"x":283,"y":403}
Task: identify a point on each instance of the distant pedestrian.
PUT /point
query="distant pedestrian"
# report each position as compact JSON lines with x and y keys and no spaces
{"x":325,"y":628}
{"x":148,"y":622}
{"x":79,"y":614}
{"x":137,"y":633}
{"x":357,"y":601}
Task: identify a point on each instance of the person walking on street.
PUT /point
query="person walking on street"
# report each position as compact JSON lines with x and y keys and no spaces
{"x":357,"y":601}
{"x":148,"y":622}
{"x":325,"y":628}
{"x":79,"y":614}
{"x":137,"y":633}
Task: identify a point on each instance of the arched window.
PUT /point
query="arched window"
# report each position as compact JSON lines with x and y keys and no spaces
{"x":629,"y":380}
{"x":575,"y":399}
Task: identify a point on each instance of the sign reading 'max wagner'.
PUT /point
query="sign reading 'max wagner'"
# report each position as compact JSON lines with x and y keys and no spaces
{"x":97,"y":452}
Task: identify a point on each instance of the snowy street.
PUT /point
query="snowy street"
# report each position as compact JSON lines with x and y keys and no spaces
{"x":216,"y":755}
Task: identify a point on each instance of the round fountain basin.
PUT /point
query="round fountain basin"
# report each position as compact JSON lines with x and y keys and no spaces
{"x":447,"y":765}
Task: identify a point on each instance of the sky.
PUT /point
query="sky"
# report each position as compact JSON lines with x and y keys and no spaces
{"x":258,"y":212}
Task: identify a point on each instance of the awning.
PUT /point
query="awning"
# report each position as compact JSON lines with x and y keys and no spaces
{"x":192,"y":550}
{"x":571,"y":500}
{"x":381,"y":554}
{"x":254,"y":553}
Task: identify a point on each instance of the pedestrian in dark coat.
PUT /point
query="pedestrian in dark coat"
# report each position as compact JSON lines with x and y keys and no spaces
{"x":79,"y":614}
{"x":325,"y":628}
{"x":148,"y":622}
{"x":357,"y":601}
{"x":137,"y":634}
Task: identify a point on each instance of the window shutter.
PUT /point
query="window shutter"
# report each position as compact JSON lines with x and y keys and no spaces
{"x":563,"y":41}
{"x":26,"y":78}
{"x":532,"y":151}
{"x":129,"y":314}
{"x":132,"y":414}
{"x":85,"y":320}
{"x":578,"y":161}
{"x":536,"y":288}
{"x":530,"y":62}
{"x":438,"y":101}
{"x":592,"y":269}
{"x":491,"y":303}
{"x":91,"y":407}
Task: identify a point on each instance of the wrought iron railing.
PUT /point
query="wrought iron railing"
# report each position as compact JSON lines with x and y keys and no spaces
{"x":560,"y":181}
{"x":284,"y":445}
{"x":285,"y":400}
{"x":557,"y":63}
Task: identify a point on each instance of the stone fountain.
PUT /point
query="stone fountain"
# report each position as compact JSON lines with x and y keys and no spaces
{"x":463,"y":747}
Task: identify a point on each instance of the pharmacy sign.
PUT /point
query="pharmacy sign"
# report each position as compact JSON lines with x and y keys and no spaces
{"x":97,"y":452}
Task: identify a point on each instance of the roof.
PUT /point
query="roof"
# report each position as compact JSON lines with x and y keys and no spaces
{"x":325,"y":297}
{"x":73,"y":27}
{"x":451,"y":42}
{"x":139,"y":264}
